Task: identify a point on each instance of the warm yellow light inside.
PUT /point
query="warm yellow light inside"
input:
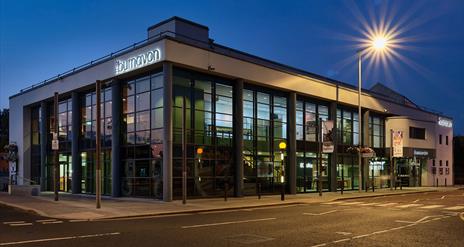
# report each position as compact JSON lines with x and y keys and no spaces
{"x":282,"y":145}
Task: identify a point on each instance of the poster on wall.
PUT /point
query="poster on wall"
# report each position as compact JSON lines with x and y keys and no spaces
{"x":327,"y":137}
{"x":397,"y":143}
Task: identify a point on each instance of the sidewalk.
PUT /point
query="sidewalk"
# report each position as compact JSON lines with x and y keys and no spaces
{"x":79,"y":207}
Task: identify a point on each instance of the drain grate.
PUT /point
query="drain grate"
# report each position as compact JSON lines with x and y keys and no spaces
{"x":248,"y":239}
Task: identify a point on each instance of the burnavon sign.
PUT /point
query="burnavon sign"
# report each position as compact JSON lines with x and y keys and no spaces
{"x":138,"y":61}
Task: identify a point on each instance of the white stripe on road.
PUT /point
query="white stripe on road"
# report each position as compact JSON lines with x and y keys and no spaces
{"x":386,"y":204}
{"x":59,"y":238}
{"x":341,"y":240}
{"x":351,"y":203}
{"x":455,"y":208}
{"x":13,"y":222}
{"x":432,"y":206}
{"x":409,"y":205}
{"x":370,"y":204}
{"x":52,"y":222}
{"x":331,"y":203}
{"x":227,"y":223}
{"x":77,"y":220}
{"x":21,"y":224}
{"x":45,"y":220}
{"x":314,"y":214}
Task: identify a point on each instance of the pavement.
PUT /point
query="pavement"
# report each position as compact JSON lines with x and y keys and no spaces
{"x":83,"y":207}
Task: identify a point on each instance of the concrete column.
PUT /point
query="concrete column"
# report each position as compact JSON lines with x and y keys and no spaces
{"x":116,"y":119}
{"x":43,"y":145}
{"x":167,"y":135}
{"x":333,"y":156}
{"x":291,"y":139}
{"x":365,"y":143}
{"x":238,"y":137}
{"x":76,"y":187}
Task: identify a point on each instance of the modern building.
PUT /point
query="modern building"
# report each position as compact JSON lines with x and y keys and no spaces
{"x":238,"y":108}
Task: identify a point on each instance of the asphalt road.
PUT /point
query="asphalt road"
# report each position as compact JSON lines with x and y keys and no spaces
{"x":426,"y":219}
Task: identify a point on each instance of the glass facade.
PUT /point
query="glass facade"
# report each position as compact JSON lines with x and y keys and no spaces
{"x":264,"y":127}
{"x":308,"y":115}
{"x":142,"y":144}
{"x":208,"y":125}
{"x":35,"y":144}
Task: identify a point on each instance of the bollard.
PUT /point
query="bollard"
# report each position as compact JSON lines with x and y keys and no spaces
{"x":259,"y":191}
{"x":367,"y":185}
{"x":226,"y":188}
{"x":445,"y":182}
{"x":343,"y":185}
{"x":437,"y":182}
{"x":373,"y":186}
{"x":282,"y":193}
{"x":401,"y":185}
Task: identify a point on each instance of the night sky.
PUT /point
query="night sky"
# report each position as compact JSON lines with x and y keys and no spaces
{"x":39,"y":39}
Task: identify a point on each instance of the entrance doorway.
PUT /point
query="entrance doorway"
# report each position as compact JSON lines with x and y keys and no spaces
{"x":65,"y":172}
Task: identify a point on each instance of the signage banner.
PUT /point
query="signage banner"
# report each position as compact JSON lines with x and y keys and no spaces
{"x":327,"y":136}
{"x":397,"y":143}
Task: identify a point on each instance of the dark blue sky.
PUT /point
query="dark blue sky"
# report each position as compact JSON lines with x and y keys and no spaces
{"x":39,"y":39}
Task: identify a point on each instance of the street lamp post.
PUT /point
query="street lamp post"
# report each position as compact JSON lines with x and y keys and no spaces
{"x":282,"y":147}
{"x":359,"y":121}
{"x":378,"y":44}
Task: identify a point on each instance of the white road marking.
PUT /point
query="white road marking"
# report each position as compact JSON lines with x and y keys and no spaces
{"x":461,"y":215}
{"x":361,"y":236}
{"x":52,"y":222}
{"x":13,"y":222}
{"x":45,"y":220}
{"x":77,"y":220}
{"x":59,"y":238}
{"x":227,"y":223}
{"x":370,"y":204}
{"x":455,"y":208}
{"x":410,"y":224}
{"x":341,"y":240}
{"x":344,"y":233}
{"x":314,"y":214}
{"x":409,"y":205}
{"x":416,"y":201}
{"x":443,"y":197}
{"x":319,"y":245}
{"x":21,"y":224}
{"x":331,"y":203}
{"x":432,"y":206}
{"x":386,"y":204}
{"x":351,"y":203}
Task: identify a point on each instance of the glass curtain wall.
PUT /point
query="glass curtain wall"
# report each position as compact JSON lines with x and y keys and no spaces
{"x":307,"y":116}
{"x":142,"y":142}
{"x":264,"y":127}
{"x":348,"y":136}
{"x":209,"y":126}
{"x":35,"y":144}
{"x":88,"y":140}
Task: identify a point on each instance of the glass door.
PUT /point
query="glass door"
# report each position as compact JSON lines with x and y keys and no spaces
{"x":65,"y":172}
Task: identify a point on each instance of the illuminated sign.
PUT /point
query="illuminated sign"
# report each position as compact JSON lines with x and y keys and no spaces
{"x":420,"y":153}
{"x":445,"y":122}
{"x":138,"y":61}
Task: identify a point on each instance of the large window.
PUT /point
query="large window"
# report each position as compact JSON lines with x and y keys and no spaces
{"x":264,"y":127}
{"x":208,"y":125}
{"x":417,"y":133}
{"x":88,"y":139}
{"x":376,"y":132}
{"x":142,"y":136}
{"x":348,"y":127}
{"x":35,"y":144}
